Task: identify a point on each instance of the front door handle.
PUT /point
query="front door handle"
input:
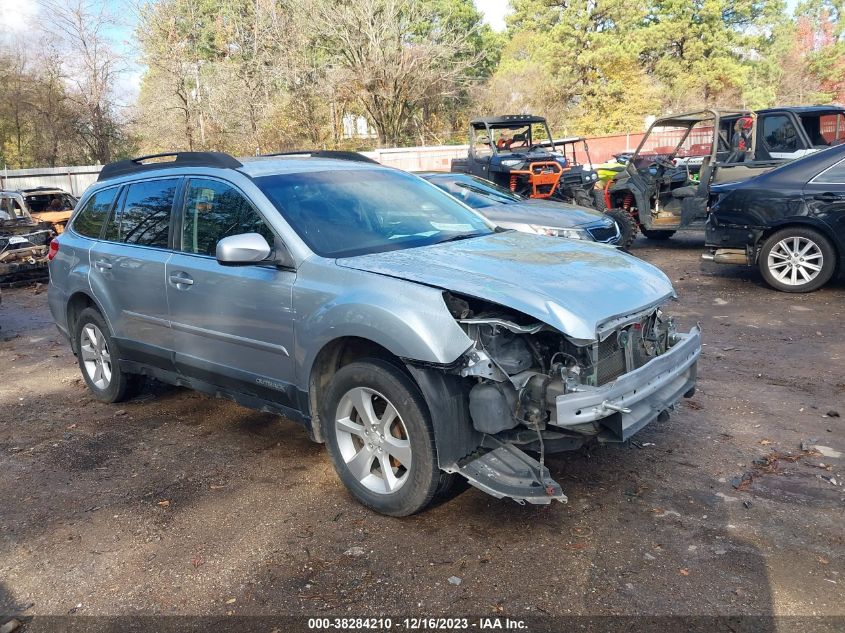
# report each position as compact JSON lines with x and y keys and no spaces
{"x":827,"y":197}
{"x":181,"y":279}
{"x":102,"y":264}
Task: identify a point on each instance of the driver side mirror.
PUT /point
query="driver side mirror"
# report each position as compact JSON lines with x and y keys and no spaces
{"x":246,"y":248}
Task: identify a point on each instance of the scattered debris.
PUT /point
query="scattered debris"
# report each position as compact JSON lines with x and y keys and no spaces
{"x":231,"y":601}
{"x":454,"y":580}
{"x":355,"y":551}
{"x":648,"y":556}
{"x":832,"y":414}
{"x":827,"y":451}
{"x":10,"y":626}
{"x":683,"y":571}
{"x":165,"y":503}
{"x":743,"y":482}
{"x":747,"y":504}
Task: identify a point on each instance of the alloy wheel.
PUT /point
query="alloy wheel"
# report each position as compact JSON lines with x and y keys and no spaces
{"x":95,"y":356}
{"x":795,"y":261}
{"x":373,"y":440}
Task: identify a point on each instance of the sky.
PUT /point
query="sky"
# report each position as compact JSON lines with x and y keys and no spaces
{"x":494,"y":12}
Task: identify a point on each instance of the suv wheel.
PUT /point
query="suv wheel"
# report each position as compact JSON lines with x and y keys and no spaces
{"x":380,"y":439}
{"x":99,"y":365}
{"x":797,"y":259}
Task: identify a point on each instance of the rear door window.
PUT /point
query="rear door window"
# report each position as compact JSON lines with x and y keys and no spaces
{"x":833,"y":175}
{"x":144,"y":216}
{"x":89,"y":222}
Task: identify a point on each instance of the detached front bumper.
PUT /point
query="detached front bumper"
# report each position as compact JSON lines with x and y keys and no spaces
{"x":636,"y":398}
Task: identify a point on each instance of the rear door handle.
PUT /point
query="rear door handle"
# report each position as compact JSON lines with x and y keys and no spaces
{"x":828,"y":197}
{"x":181,"y":279}
{"x":102,"y":264}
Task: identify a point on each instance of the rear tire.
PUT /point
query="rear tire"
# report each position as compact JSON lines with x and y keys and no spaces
{"x":98,"y":360}
{"x":627,"y":227}
{"x":599,"y":203}
{"x":657,"y":235}
{"x":797,"y":259}
{"x":380,"y":438}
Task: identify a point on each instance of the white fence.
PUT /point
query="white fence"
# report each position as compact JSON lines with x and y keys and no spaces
{"x":76,"y":179}
{"x":72,"y":179}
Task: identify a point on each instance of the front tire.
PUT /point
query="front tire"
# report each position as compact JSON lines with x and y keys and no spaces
{"x":797,"y":259}
{"x":380,"y":438}
{"x":583,"y":198}
{"x":99,"y":362}
{"x":627,"y":227}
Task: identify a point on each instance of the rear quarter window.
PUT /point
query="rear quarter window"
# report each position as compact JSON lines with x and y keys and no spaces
{"x":89,"y":221}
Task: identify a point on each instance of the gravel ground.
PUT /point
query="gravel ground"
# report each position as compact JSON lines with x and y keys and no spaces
{"x":177,"y":503}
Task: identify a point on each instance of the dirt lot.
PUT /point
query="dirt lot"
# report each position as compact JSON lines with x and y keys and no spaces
{"x":179,"y":503}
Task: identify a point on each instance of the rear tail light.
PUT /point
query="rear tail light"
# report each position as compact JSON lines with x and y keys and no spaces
{"x":54,"y":248}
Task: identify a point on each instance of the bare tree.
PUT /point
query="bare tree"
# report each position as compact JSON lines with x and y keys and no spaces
{"x":390,"y":64}
{"x":79,"y":30}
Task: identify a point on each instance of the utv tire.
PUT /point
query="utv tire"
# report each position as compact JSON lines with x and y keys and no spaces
{"x":657,"y":235}
{"x":380,"y":438}
{"x":797,"y":259}
{"x":627,"y":227}
{"x":583,"y":198}
{"x":98,"y":360}
{"x":599,"y":203}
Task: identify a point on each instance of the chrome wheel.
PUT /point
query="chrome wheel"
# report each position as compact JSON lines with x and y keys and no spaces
{"x":795,"y":261}
{"x":95,"y":356}
{"x":373,"y":440}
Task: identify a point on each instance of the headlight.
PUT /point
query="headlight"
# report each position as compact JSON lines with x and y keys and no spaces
{"x":511,"y":162}
{"x":572,"y":234}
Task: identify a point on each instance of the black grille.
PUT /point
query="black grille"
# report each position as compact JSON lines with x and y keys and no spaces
{"x":603,"y":234}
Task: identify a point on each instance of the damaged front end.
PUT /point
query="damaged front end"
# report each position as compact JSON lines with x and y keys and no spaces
{"x":535,"y":389}
{"x":23,"y":250}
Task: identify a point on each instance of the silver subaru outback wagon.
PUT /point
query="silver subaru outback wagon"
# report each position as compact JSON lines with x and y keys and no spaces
{"x":420,"y":343}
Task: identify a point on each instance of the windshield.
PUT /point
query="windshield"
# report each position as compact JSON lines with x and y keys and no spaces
{"x":519,"y":137}
{"x":475,"y":192}
{"x":682,"y":141}
{"x":54,"y":201}
{"x":356,"y":212}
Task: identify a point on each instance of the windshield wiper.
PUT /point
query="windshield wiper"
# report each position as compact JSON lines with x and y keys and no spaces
{"x":459,"y":236}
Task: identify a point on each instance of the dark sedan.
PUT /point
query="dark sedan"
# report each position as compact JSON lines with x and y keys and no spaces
{"x":790,"y":222}
{"x":512,"y":211}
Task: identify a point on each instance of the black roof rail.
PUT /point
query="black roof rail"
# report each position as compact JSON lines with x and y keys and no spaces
{"x":327,"y":153}
{"x":180,"y":159}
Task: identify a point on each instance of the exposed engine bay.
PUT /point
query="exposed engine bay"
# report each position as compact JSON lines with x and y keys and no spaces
{"x":525,"y":374}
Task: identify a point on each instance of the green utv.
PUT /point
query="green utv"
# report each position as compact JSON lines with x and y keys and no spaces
{"x":665,"y":185}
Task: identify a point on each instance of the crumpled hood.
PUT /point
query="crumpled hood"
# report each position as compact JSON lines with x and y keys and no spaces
{"x":573,"y":286}
{"x":542,"y":213}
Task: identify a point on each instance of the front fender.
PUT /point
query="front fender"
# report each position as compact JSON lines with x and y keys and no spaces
{"x":408,"y":319}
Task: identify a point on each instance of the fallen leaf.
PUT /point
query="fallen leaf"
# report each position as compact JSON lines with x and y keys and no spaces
{"x":822,"y":560}
{"x":165,"y":503}
{"x":684,"y":571}
{"x":765,"y":442}
{"x":231,"y":601}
